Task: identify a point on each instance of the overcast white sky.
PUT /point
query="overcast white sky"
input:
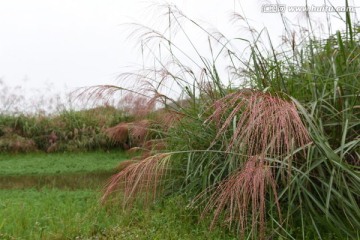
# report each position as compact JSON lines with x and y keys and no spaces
{"x":72,"y":43}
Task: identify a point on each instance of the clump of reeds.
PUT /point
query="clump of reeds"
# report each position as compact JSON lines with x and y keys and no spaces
{"x":298,"y":116}
{"x":244,"y":193}
{"x":261,"y":127}
{"x":260,"y":122}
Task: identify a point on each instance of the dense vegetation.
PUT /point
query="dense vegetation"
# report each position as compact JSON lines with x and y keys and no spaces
{"x":68,"y":130}
{"x":268,"y":147}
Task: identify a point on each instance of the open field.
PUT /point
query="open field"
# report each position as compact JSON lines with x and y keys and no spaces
{"x":56,"y":196}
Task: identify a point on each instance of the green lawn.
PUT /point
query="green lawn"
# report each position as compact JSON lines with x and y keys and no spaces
{"x":56,"y":196}
{"x":49,"y":214}
{"x":58,"y":163}
{"x":58,"y":214}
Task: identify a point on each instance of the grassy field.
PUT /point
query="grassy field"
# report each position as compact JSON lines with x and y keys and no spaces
{"x":58,"y":163}
{"x":56,"y":196}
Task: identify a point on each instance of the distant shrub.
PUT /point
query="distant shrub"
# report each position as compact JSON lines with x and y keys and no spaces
{"x":14,"y":143}
{"x":68,"y":130}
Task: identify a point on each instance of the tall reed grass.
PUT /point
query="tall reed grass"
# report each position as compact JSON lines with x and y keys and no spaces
{"x":277,"y":153}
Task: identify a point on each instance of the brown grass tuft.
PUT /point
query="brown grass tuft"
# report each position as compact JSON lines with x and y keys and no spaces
{"x":261,"y":126}
{"x":242,"y":195}
{"x":138,"y":132}
{"x":118,"y":133}
{"x":261,"y":123}
{"x":139,"y":179}
{"x":132,"y":134}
